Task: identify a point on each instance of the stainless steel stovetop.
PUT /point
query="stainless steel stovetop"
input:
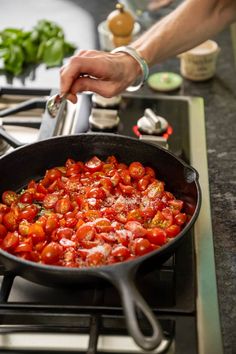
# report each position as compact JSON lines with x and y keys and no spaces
{"x":183,"y":294}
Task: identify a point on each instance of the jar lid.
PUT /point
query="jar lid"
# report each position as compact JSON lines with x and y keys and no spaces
{"x":165,"y":81}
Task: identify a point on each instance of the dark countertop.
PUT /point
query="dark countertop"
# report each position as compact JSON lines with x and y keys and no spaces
{"x":220,"y":106}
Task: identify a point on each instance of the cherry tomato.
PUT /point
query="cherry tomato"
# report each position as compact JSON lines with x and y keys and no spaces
{"x":172,"y":230}
{"x":127,"y":190}
{"x":10,"y":241}
{"x":143,"y":183}
{"x":124,"y":236}
{"x":29,"y":212}
{"x":64,"y":232}
{"x":125,"y":177}
{"x":136,"y":228}
{"x":63,"y":205}
{"x":73,"y":169}
{"x":176,"y":204}
{"x":135,"y":214}
{"x":115,"y":179}
{"x":36,"y":233}
{"x":120,"y":252}
{"x":136,"y":170}
{"x":51,"y":176}
{"x":94,"y":164}
{"x":26,"y":197}
{"x":103,"y":225}
{"x":23,"y":228}
{"x":156,"y":236}
{"x":51,"y":253}
{"x":85,"y":232}
{"x":155,"y":189}
{"x":95,"y":259}
{"x":180,"y":218}
{"x":97,"y":193}
{"x":25,"y":246}
{"x":10,"y":221}
{"x":141,"y":246}
{"x":51,"y":224}
{"x":150,"y":172}
{"x":9,"y":197}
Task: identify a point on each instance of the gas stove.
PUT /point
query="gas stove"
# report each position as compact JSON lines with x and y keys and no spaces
{"x":182,"y":292}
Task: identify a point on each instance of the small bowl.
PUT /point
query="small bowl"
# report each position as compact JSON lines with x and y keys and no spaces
{"x":199,"y":63}
{"x":105,"y":35}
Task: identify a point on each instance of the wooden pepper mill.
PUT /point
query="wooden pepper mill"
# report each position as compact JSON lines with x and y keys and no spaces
{"x":121,"y":23}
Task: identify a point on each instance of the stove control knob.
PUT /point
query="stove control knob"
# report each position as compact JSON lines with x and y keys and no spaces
{"x":103,"y":119}
{"x":152,"y":124}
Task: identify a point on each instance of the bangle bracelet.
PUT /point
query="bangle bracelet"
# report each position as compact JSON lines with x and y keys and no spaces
{"x":143,"y":65}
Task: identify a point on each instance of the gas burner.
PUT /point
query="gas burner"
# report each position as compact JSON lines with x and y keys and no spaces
{"x":154,"y":139}
{"x":24,"y":120}
{"x":4,"y":146}
{"x":151,"y":123}
{"x":103,"y":119}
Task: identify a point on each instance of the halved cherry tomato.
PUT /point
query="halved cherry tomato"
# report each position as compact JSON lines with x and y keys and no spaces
{"x":9,"y":220}
{"x":120,"y":252}
{"x":9,"y":197}
{"x":94,"y":164}
{"x":180,"y":218}
{"x":95,"y":259}
{"x":125,"y":177}
{"x":10,"y":241}
{"x":136,"y":228}
{"x":25,"y":246}
{"x":63,"y":205}
{"x":85,"y":232}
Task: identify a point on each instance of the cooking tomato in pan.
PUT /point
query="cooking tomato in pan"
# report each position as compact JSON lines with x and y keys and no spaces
{"x":90,"y":213}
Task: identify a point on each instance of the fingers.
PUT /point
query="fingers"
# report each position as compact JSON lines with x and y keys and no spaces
{"x":86,"y":62}
{"x":103,"y":88}
{"x":101,"y":72}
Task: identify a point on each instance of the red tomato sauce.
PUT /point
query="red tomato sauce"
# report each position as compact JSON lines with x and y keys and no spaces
{"x":90,"y":214}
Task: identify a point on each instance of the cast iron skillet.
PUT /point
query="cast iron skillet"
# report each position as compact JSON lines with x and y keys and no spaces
{"x":31,"y":161}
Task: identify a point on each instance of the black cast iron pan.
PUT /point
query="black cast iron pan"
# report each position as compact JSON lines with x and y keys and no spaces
{"x":31,"y":161}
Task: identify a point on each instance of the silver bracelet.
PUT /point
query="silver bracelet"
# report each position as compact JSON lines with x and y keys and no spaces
{"x":143,"y":65}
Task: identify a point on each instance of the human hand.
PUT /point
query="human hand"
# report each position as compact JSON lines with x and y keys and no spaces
{"x":104,"y":73}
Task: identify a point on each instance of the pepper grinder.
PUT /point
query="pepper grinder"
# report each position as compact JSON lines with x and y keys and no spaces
{"x":120,"y":23}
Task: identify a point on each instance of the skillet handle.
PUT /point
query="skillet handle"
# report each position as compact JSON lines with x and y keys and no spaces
{"x":131,"y":301}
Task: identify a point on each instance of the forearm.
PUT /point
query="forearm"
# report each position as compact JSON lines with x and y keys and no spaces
{"x":190,"y":24}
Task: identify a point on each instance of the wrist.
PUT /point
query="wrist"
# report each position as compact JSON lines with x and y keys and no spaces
{"x":141,"y":66}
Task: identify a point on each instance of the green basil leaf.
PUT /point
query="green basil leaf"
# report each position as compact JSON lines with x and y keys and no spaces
{"x":45,"y":43}
{"x":15,"y":60}
{"x":54,"y":52}
{"x":30,"y":50}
